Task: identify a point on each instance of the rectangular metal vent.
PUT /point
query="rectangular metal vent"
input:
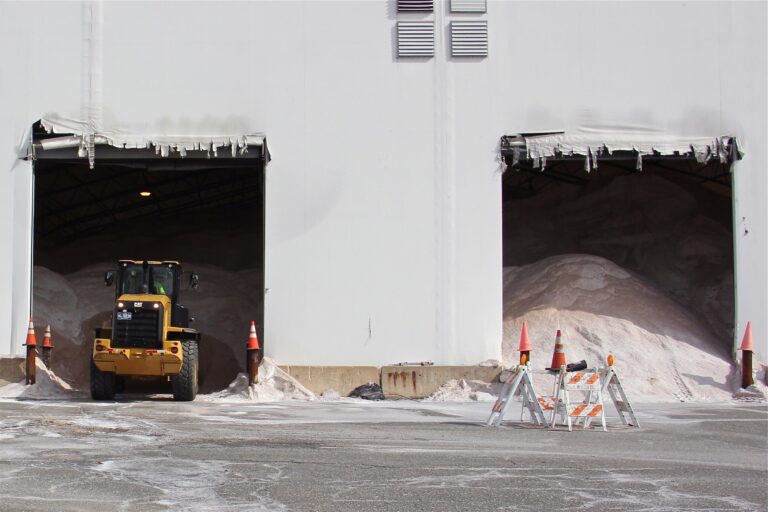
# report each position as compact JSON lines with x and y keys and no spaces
{"x":415,"y":39}
{"x":468,"y":6}
{"x":469,"y":38}
{"x":415,"y":5}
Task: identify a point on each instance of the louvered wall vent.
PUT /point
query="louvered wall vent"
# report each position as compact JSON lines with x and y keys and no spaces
{"x":415,"y":5}
{"x":415,"y":39}
{"x":468,"y":5}
{"x":469,"y":38}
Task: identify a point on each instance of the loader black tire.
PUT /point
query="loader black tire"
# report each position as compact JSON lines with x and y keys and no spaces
{"x":185,"y":382}
{"x":119,"y":385}
{"x":102,"y":384}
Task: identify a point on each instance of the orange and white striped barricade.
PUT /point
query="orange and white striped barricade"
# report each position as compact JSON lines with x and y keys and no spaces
{"x":589,"y":408}
{"x":612,"y":385}
{"x":545,"y":403}
{"x":519,"y":380}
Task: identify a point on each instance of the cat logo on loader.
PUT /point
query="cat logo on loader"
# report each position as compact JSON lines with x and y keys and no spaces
{"x":150,"y":334}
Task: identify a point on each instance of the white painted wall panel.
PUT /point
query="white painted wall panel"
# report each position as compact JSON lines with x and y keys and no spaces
{"x":745,"y":113}
{"x":383,"y":205}
{"x":40,"y":72}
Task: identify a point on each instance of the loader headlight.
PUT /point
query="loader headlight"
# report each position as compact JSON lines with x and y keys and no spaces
{"x":120,"y":304}
{"x":156,"y":305}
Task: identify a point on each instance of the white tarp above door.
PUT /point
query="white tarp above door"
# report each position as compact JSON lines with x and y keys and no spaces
{"x":592,"y":142}
{"x":83,"y":137}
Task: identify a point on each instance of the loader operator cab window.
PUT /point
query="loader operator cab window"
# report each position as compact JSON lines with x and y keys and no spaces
{"x":161,"y":281}
{"x":133,"y":277}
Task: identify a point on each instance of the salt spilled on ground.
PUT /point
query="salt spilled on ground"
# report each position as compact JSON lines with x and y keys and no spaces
{"x":47,"y":386}
{"x":462,"y":390}
{"x":274,"y":385}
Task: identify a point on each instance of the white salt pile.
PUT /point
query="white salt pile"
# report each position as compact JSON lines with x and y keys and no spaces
{"x":663,"y":352}
{"x":47,"y":386}
{"x":674,"y":234}
{"x":465,"y":391}
{"x":274,"y":385}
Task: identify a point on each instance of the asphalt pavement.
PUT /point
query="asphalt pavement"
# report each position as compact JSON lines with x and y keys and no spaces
{"x":154,"y":455}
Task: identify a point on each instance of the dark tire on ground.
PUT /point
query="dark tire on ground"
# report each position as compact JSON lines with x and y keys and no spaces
{"x":119,"y":384}
{"x":185,"y":382}
{"x":102,"y":384}
{"x":201,"y":373}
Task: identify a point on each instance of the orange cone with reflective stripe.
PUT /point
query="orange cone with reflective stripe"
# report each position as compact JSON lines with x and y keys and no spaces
{"x":47,"y":347}
{"x":253,"y":356}
{"x":47,"y":343}
{"x":253,"y":340}
{"x":558,"y":357}
{"x":31,"y":366}
{"x":31,"y":340}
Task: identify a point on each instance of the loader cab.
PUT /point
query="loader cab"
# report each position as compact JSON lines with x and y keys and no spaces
{"x":152,"y":278}
{"x":148,"y":278}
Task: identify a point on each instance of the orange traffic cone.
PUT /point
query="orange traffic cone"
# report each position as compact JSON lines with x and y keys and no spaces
{"x":558,"y":357}
{"x":47,"y":343}
{"x":253,"y":340}
{"x":253,"y":356}
{"x":47,"y":347}
{"x":31,"y":340}
{"x":747,"y":347}
{"x":31,"y":344}
{"x":746,"y":342}
{"x":525,"y":344}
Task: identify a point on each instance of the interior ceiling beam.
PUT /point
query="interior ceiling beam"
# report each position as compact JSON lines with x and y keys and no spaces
{"x":140,"y":204}
{"x":222,"y":200}
{"x":566,"y":178}
{"x":154,"y":188}
{"x":50,"y":193}
{"x":701,"y":179}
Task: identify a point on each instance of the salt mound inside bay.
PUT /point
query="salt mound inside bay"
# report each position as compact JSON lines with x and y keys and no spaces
{"x":663,"y":352}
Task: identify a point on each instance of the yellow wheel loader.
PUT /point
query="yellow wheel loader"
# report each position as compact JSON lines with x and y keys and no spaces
{"x":150,"y":334}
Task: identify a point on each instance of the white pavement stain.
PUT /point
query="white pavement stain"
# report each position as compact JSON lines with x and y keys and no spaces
{"x":198,"y":485}
{"x":144,"y":471}
{"x":595,"y":489}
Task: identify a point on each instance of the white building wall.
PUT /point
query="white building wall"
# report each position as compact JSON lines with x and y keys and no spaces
{"x":383,"y":198}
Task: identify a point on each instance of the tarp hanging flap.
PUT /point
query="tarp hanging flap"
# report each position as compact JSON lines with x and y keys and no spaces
{"x":595,"y":141}
{"x":164,"y":144}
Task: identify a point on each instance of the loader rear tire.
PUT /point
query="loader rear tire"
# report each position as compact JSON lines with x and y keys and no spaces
{"x":185,"y":382}
{"x":102,"y":384}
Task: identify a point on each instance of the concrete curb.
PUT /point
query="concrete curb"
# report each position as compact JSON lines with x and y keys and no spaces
{"x":422,"y":381}
{"x":404,"y":381}
{"x":11,"y":370}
